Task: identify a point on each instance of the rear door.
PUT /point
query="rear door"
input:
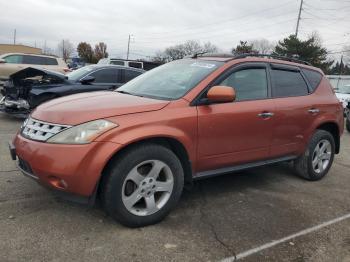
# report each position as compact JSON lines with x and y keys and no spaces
{"x":241,"y":131}
{"x":105,"y":79}
{"x":128,"y":74}
{"x":293,"y":116}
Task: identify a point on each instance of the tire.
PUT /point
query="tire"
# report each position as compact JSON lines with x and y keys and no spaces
{"x":312,"y":165}
{"x":347,"y":123}
{"x":134,"y":177}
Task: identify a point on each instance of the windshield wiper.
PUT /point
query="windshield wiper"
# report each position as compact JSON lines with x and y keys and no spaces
{"x":128,"y":93}
{"x":124,"y":92}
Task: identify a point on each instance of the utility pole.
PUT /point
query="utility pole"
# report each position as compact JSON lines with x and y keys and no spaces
{"x":341,"y":65}
{"x":127,"y":54}
{"x":299,"y":16}
{"x":14,"y":37}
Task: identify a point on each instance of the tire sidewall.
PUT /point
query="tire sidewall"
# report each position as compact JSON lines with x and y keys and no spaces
{"x":113,"y":195}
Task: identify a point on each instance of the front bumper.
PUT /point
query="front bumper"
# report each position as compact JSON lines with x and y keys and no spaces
{"x":69,"y":169}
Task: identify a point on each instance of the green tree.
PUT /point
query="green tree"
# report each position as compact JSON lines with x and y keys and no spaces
{"x":243,"y":48}
{"x":309,"y":50}
{"x":340,"y":69}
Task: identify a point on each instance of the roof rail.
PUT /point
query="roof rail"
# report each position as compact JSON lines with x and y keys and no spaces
{"x":285,"y":58}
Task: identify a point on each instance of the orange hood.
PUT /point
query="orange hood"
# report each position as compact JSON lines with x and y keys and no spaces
{"x":84,"y":107}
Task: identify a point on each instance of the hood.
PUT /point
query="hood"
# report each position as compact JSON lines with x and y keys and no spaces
{"x":80,"y":108}
{"x":33,"y":72}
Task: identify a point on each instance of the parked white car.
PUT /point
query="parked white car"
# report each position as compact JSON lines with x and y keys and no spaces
{"x":341,"y":85}
{"x":13,"y":62}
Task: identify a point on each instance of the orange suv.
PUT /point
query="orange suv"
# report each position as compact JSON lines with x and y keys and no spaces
{"x":136,"y":147}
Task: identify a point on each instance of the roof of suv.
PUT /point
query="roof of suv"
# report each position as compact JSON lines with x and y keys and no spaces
{"x":51,"y":56}
{"x":258,"y":58}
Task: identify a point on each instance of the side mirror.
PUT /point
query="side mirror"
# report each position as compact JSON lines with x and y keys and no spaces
{"x":2,"y":61}
{"x":221,"y":94}
{"x":87,"y":80}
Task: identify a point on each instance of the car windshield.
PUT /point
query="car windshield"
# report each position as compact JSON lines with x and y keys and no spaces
{"x":79,"y":73}
{"x":172,"y":80}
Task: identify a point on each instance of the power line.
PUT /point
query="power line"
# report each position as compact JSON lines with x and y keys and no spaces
{"x":226,"y":20}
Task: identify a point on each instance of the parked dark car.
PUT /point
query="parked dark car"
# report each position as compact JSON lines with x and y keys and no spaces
{"x":30,"y":87}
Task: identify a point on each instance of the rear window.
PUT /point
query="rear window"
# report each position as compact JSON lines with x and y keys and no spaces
{"x":51,"y":61}
{"x":288,"y":83}
{"x":135,"y":64}
{"x":313,"y":77}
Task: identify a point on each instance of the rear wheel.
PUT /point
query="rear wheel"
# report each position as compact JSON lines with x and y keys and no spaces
{"x":143,"y":185}
{"x":316,"y":161}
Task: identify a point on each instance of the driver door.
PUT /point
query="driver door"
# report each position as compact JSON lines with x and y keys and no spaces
{"x":241,"y":131}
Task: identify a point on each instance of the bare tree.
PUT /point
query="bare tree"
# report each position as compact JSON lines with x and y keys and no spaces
{"x":160,"y":57}
{"x":188,"y":48}
{"x":101,"y":51}
{"x":65,"y":49}
{"x":263,"y":46}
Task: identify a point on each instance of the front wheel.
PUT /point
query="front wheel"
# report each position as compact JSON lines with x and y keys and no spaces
{"x":143,"y":185}
{"x":316,"y":161}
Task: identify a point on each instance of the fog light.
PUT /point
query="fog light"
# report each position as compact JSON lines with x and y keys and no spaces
{"x":58,"y":182}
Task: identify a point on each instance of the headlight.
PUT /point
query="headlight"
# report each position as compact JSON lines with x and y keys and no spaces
{"x":82,"y":134}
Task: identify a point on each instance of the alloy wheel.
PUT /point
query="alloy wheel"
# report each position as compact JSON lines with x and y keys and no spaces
{"x":321,"y":156}
{"x":147,"y":187}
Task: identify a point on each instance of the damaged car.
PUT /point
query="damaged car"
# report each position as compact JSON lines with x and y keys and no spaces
{"x":30,"y":87}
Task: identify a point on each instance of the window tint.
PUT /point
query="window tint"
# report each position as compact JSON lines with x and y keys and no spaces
{"x":313,"y":77}
{"x":14,"y":59}
{"x":130,"y":74}
{"x":249,"y":84}
{"x":288,"y":83}
{"x":33,"y":60}
{"x":108,"y":75}
{"x":135,"y":64}
{"x":50,"y":61}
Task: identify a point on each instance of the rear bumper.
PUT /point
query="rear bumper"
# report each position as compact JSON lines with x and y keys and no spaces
{"x":73,"y":171}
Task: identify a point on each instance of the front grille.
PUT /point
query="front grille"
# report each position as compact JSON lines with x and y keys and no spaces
{"x":39,"y":130}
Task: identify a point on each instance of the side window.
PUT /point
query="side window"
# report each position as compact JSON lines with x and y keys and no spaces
{"x":116,"y":62}
{"x":313,"y":77}
{"x":249,"y":84}
{"x":288,"y":83}
{"x":108,"y":75}
{"x":50,"y":61}
{"x":130,"y":74}
{"x":33,"y":60}
{"x":14,"y":59}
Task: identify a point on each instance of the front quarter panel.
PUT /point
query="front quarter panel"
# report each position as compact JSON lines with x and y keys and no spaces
{"x":178,"y":120}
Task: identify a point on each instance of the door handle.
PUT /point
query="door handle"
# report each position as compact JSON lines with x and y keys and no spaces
{"x":265,"y":114}
{"x":314,"y":111}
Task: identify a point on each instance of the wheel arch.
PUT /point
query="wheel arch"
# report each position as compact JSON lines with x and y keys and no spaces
{"x":171,"y":143}
{"x":332,"y":128}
